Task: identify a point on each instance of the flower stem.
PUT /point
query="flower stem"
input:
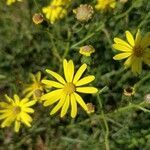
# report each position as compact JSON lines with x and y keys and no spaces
{"x":88,"y":36}
{"x":105,"y":123}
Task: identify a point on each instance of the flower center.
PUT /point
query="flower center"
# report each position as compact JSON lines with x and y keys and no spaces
{"x":16,"y":110}
{"x":69,"y":88}
{"x":138,"y":51}
{"x":53,"y":6}
{"x":38,"y":93}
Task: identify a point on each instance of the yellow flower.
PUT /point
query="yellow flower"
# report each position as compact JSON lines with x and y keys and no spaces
{"x":16,"y":111}
{"x":36,"y":88}
{"x":9,"y":2}
{"x":136,"y":50}
{"x":56,"y":10}
{"x":87,"y":50}
{"x":104,"y":4}
{"x":68,"y":88}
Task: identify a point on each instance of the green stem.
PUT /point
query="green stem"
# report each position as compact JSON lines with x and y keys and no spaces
{"x":125,"y":13}
{"x":55,"y":52}
{"x":105,"y":123}
{"x":87,"y":37}
{"x":144,"y":20}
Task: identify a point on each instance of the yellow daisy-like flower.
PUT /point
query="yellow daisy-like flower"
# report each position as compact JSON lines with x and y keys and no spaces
{"x":16,"y":111}
{"x":36,"y":88}
{"x":68,"y":89}
{"x":136,"y":50}
{"x":56,"y":10}
{"x":9,"y":2}
{"x":105,"y":4}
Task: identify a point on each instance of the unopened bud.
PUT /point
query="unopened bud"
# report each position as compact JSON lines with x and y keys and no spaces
{"x":91,"y":108}
{"x":84,"y":12}
{"x":129,"y":91}
{"x":87,"y":50}
{"x":37,"y":18}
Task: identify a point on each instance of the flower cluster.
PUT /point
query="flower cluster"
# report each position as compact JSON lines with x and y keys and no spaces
{"x":56,"y":10}
{"x":65,"y":92}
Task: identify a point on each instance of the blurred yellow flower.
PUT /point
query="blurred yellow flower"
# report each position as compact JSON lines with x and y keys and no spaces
{"x":56,"y":10}
{"x":87,"y":50}
{"x":104,"y":4}
{"x":36,"y":88}
{"x":136,"y":50}
{"x":9,"y":2}
{"x":67,"y":90}
{"x":16,"y":111}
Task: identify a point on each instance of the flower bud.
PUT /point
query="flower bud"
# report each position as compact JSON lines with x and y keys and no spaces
{"x":84,"y":12}
{"x":37,"y":18}
{"x":91,"y":108}
{"x":129,"y":91}
{"x":87,"y":50}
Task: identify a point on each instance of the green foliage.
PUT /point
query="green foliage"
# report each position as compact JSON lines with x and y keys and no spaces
{"x":26,"y":47}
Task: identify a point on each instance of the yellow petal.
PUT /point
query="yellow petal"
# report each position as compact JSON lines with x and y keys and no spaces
{"x":8,"y":98}
{"x":66,"y":70}
{"x":30,"y":103}
{"x":53,"y":83}
{"x":121,"y":42}
{"x":5,"y":115}
{"x":73,"y":106}
{"x":128,"y":62}
{"x":53,"y":94}
{"x":29,"y":94}
{"x":146,"y":57}
{"x":113,"y":4}
{"x":26,"y":119}
{"x":59,"y":105}
{"x":26,"y":90}
{"x":87,"y":90}
{"x":17,"y":126}
{"x":138,"y":38}
{"x":32,"y":76}
{"x":137,"y":66}
{"x":130,"y":38}
{"x":80,"y":101}
{"x":56,"y":76}
{"x":53,"y":99}
{"x":24,"y":101}
{"x":145,"y":42}
{"x":121,"y":56}
{"x":65,"y":106}
{"x":7,"y":122}
{"x":70,"y":70}
{"x":38,"y":76}
{"x":17,"y":99}
{"x":79,"y":73}
{"x":85,"y":80}
{"x":121,"y":48}
{"x":4,"y":105}
{"x":28,"y":110}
